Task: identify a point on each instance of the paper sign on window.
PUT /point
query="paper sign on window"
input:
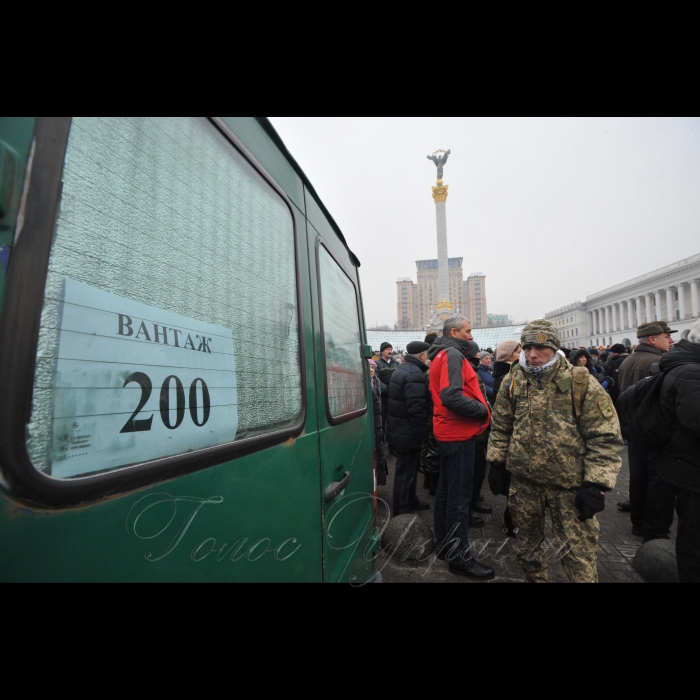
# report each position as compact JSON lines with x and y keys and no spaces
{"x":134,"y":383}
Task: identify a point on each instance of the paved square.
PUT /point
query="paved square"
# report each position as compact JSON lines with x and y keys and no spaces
{"x":494,"y":548}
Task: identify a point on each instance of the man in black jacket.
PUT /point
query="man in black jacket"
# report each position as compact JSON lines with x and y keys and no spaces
{"x":679,"y":461}
{"x":617,"y":357}
{"x":386,"y":366}
{"x":651,"y":498}
{"x":407,"y":425}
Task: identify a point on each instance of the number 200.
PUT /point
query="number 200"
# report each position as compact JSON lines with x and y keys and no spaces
{"x":144,"y":381}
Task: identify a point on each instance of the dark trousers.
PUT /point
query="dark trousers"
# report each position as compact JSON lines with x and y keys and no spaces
{"x":480,"y":469}
{"x":652,"y":498}
{"x":405,"y":482}
{"x":454,"y":496}
{"x":688,"y":537}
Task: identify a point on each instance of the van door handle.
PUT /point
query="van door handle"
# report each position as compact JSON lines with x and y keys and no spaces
{"x":336,"y":488}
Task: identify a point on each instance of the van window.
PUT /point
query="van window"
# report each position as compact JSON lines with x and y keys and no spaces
{"x":170,"y":319}
{"x":345,"y":385}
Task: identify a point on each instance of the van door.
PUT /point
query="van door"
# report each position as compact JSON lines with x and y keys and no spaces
{"x":346,"y":430}
{"x":153,"y":343}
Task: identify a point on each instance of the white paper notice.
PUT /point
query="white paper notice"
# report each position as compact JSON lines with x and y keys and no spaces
{"x":134,"y":383}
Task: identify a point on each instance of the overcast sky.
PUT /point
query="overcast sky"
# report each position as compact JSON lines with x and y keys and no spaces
{"x":549,"y":209}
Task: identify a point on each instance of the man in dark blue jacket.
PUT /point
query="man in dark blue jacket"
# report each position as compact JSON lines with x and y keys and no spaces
{"x":407,"y":425}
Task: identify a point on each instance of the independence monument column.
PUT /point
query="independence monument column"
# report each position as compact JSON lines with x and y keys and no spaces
{"x":440,"y":192}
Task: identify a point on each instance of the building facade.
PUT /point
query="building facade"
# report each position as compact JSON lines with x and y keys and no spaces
{"x":612,"y":316}
{"x":417,"y":301}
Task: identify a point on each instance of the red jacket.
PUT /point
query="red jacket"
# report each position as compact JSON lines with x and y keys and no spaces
{"x":461,"y":413}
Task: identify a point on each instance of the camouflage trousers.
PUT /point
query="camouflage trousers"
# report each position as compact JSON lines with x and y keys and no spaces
{"x":576,"y":543}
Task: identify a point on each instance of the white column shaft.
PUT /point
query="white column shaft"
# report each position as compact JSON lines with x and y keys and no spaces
{"x":607,"y":319}
{"x":659,"y":310}
{"x":681,"y":301}
{"x":443,"y":258}
{"x":670,"y":306}
{"x":694,"y":298}
{"x":650,"y":315}
{"x":630,"y":312}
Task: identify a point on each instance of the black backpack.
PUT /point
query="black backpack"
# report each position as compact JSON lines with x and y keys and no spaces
{"x":641,"y":415}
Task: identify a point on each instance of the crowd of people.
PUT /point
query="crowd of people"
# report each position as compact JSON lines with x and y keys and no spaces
{"x":547,"y":424}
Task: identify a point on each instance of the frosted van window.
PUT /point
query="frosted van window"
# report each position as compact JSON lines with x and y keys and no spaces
{"x":170,"y":318}
{"x":345,"y":382}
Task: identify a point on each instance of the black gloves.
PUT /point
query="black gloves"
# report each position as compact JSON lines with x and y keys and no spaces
{"x":499,"y":480}
{"x":590,"y":500}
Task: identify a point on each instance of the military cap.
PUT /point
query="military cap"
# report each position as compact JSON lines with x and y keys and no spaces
{"x":417,"y":348}
{"x":541,"y":334}
{"x":386,"y":346}
{"x":654,"y":328}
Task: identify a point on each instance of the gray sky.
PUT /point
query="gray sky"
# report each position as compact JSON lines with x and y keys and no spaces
{"x":549,"y":209}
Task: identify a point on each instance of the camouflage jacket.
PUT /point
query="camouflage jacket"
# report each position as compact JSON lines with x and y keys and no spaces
{"x":536,"y":435}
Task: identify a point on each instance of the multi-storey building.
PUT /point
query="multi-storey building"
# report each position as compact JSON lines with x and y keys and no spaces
{"x":416,"y":301}
{"x":612,"y":316}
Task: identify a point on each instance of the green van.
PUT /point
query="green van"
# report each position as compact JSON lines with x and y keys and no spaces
{"x":185,"y":394}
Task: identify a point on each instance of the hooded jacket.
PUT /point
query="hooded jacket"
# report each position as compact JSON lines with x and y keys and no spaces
{"x":679,"y":462}
{"x":407,"y":424}
{"x":461,"y":412}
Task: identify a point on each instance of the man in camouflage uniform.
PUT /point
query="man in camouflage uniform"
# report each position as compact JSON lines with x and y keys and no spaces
{"x":558,"y":434}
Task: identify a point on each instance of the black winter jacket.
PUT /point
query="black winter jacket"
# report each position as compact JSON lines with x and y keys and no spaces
{"x":679,"y":462}
{"x":377,"y":401}
{"x":385,"y":372}
{"x":500,"y":371}
{"x":614,"y":372}
{"x":407,"y":425}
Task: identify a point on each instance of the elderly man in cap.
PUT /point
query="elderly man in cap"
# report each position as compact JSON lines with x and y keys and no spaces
{"x":407,"y":424}
{"x":386,"y":366}
{"x":461,"y":414}
{"x":558,"y":434}
{"x":652,"y":499}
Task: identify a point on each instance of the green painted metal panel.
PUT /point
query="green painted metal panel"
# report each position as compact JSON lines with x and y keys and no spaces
{"x":258,"y":142}
{"x":258,"y":518}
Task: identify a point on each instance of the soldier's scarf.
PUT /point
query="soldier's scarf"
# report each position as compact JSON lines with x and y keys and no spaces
{"x":537,"y":371}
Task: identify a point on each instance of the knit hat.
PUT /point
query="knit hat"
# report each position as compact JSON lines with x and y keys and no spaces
{"x":484,"y":354}
{"x":431,"y":338}
{"x":541,"y":334}
{"x":386,"y":346}
{"x":618,"y":349}
{"x":505,"y":350}
{"x":372,"y":362}
{"x":474,"y":350}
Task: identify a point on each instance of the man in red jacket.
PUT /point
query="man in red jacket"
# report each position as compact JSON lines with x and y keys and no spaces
{"x":460,"y":415}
